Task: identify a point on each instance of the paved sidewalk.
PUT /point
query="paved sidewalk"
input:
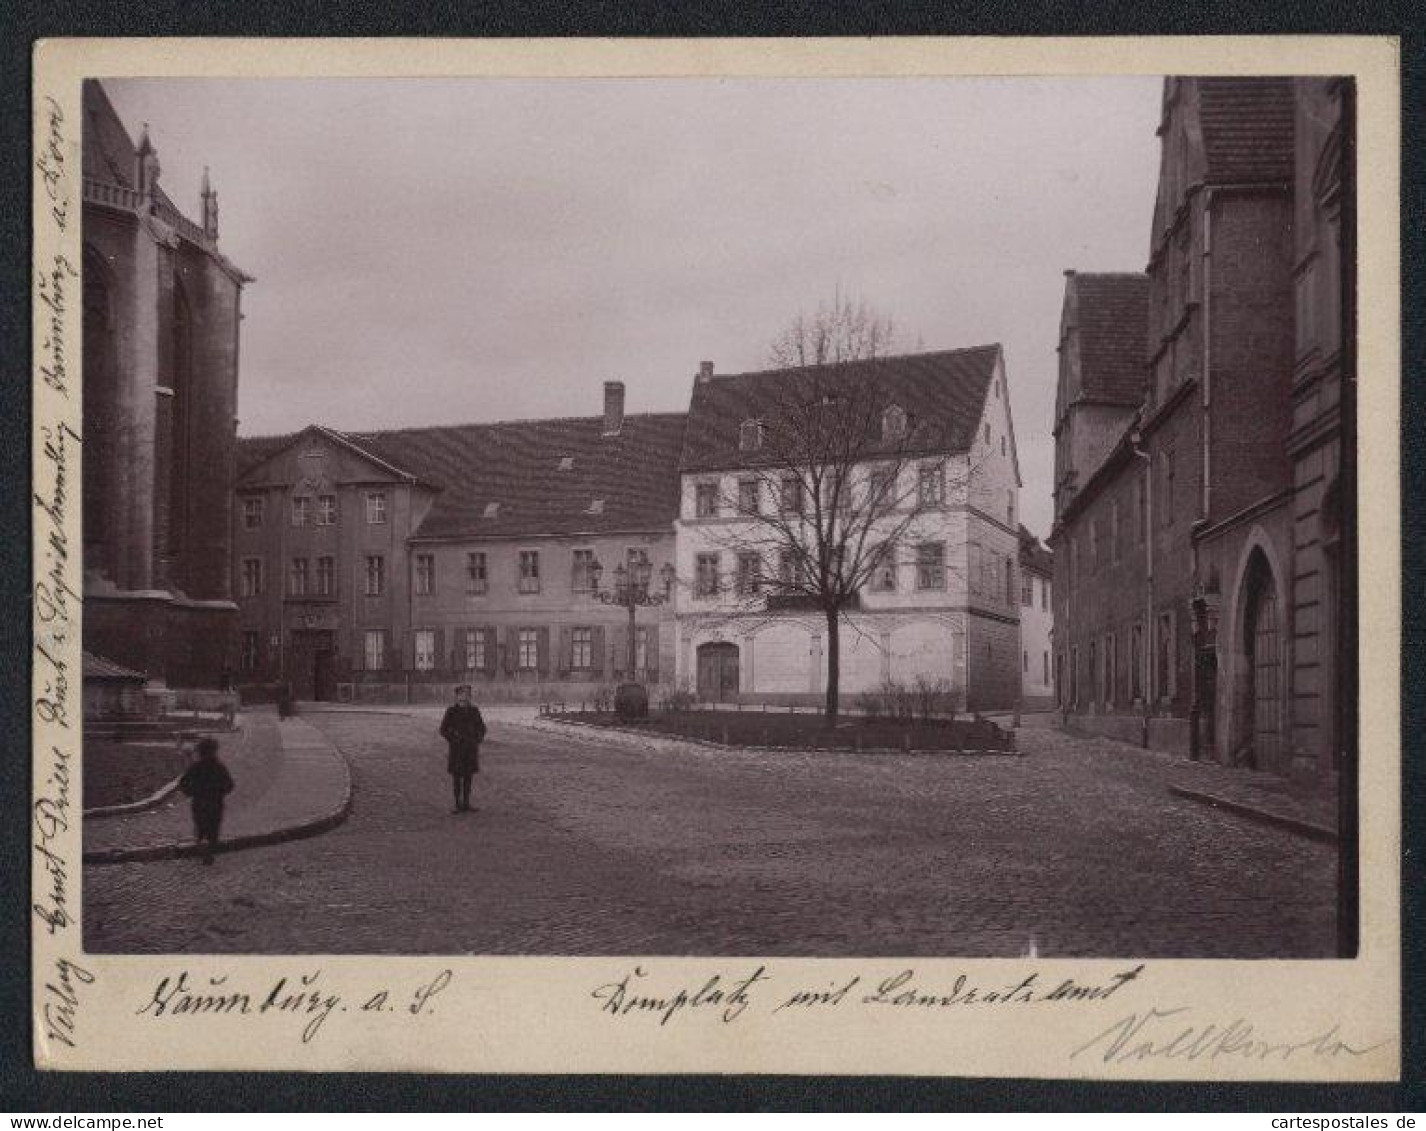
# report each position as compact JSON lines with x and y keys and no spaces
{"x":290,"y":781}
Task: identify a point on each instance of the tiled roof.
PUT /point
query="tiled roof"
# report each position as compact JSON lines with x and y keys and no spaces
{"x":1113,"y":322}
{"x":108,"y":153}
{"x":943,"y":393}
{"x":1035,"y":555}
{"x":1247,"y":129}
{"x":97,"y":667}
{"x":516,"y":464}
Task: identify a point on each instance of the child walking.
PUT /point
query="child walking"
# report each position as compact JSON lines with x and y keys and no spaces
{"x":207,"y":782}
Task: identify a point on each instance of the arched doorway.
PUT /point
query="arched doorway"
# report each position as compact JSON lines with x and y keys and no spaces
{"x":1262,"y":649}
{"x":717,"y":672}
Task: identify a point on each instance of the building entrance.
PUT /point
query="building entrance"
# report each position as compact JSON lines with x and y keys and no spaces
{"x":717,"y":672}
{"x":311,"y":666}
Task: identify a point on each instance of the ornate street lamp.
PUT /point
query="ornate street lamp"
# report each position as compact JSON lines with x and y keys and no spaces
{"x":631,"y":589}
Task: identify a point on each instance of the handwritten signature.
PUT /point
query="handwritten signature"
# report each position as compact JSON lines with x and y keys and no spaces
{"x":1167,"y":1034}
{"x":62,"y":1001}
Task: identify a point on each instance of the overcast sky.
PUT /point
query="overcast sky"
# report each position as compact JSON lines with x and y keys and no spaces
{"x":444,"y":251}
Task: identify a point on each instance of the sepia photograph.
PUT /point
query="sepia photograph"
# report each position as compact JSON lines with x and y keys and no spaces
{"x":813,"y":517}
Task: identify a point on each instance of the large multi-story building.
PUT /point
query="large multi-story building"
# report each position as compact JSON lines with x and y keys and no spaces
{"x":161,"y":319}
{"x":1180,"y":590}
{"x":943,"y":602}
{"x":397,"y":563}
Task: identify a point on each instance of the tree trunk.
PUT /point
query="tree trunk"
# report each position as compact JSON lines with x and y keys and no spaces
{"x":834,"y":663}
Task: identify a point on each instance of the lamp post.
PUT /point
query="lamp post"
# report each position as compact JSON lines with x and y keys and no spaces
{"x":631,"y":590}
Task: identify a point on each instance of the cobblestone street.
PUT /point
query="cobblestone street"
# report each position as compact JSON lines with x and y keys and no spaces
{"x":588,"y":845}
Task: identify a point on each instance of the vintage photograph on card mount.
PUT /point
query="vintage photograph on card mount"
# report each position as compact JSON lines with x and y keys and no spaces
{"x":681,"y":516}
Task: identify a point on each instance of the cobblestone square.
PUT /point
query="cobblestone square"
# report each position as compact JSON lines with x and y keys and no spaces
{"x":585,"y":844}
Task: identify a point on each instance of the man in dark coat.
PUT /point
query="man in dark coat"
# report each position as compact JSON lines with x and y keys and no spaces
{"x":207,"y":782}
{"x":463,"y":729}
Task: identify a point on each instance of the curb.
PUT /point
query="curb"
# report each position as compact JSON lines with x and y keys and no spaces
{"x":1262,"y":816}
{"x":177,"y":849}
{"x":711,"y":744}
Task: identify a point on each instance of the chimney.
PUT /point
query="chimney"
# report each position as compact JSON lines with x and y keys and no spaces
{"x":705,"y":370}
{"x":613,"y":407}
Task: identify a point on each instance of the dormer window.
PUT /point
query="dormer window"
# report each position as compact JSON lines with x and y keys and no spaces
{"x":750,"y":435}
{"x":492,"y":510}
{"x":893,"y":423}
{"x":567,"y":463}
{"x":596,"y":506}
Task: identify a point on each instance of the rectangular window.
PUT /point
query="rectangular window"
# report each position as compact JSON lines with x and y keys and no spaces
{"x":326,"y":576}
{"x":1165,"y":680}
{"x":425,"y":650}
{"x":252,"y":512}
{"x":931,"y":486}
{"x":1044,"y":594}
{"x":375,"y":507}
{"x":375,"y":575}
{"x":475,"y":649}
{"x":475,"y":576}
{"x":374,"y":650}
{"x":252,"y":577}
{"x":1010,"y":582}
{"x":581,"y":648}
{"x":931,"y":565}
{"x":1136,"y":661}
{"x":1094,"y":672}
{"x":787,"y":568}
{"x":529,"y":649}
{"x":326,"y":510}
{"x":706,"y":583}
{"x":883,"y":570}
{"x":641,"y":648}
{"x":881,"y":489}
{"x":748,"y":496}
{"x":1027,"y":590}
{"x":1114,"y":531}
{"x":705,"y":500}
{"x":529,"y":581}
{"x":301,"y":510}
{"x":250,"y":650}
{"x":1111,"y":667}
{"x":425,"y":574}
{"x":791,"y":494}
{"x":749,"y":576}
{"x":297,"y":584}
{"x":1045,"y":656}
{"x":582,"y":571}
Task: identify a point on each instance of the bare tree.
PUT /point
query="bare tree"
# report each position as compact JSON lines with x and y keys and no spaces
{"x":839,"y":482}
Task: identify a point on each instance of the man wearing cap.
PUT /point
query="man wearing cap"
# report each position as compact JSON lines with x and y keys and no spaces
{"x":463,"y":729}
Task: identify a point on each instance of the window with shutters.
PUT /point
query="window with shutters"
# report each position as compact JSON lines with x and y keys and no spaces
{"x":425,"y":650}
{"x":529,"y":649}
{"x":475,"y":649}
{"x":581,"y":648}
